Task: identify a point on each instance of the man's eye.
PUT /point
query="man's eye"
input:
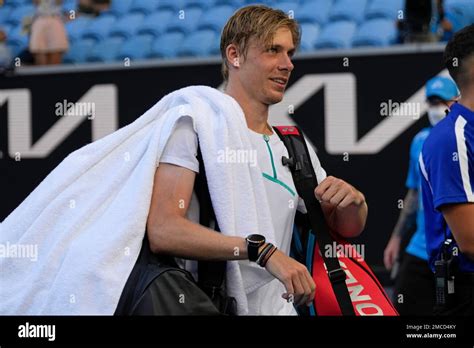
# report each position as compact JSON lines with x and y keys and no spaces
{"x":272,"y":49}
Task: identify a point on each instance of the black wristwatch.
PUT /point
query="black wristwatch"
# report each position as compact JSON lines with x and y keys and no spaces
{"x":254,"y":241}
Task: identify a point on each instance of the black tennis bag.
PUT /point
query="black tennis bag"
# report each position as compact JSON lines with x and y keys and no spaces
{"x":158,"y":286}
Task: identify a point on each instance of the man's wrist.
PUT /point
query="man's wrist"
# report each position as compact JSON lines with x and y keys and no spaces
{"x":254,"y":243}
{"x":265,"y":254}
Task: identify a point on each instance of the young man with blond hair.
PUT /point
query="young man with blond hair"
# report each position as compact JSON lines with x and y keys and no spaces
{"x":257,"y":46}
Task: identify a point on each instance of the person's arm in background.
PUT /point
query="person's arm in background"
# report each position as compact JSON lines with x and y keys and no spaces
{"x":460,"y":219}
{"x":406,"y":220}
{"x":443,"y":21}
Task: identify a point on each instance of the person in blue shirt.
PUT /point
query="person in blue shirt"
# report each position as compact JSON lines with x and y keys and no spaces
{"x":447,"y":167}
{"x":414,"y":287}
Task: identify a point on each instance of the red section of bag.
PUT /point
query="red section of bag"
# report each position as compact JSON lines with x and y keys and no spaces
{"x":367,"y":294}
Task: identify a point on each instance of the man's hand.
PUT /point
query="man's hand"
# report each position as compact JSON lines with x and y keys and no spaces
{"x":344,"y":207}
{"x":338,"y":193}
{"x":390,"y":253}
{"x":298,"y":282}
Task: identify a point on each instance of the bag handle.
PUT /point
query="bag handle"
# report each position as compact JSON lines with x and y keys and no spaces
{"x":304,"y":177}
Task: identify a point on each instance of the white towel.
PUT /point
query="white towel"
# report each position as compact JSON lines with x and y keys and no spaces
{"x":88,"y":216}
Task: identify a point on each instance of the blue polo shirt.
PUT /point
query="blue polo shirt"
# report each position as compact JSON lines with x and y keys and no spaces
{"x":447,"y":165}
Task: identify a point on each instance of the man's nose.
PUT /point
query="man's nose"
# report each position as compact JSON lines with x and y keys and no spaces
{"x":286,"y":63}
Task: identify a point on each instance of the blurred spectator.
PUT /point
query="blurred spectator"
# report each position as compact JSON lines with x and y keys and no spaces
{"x":424,"y":21}
{"x":84,"y":8}
{"x":48,"y":39}
{"x":92,"y":7}
{"x":5,"y":53}
{"x":101,"y":5}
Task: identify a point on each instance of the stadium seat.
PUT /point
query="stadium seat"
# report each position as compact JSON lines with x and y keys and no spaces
{"x":127,"y":25}
{"x":313,"y":11}
{"x":459,"y":12}
{"x":309,"y":34}
{"x":99,"y":28}
{"x":6,"y":28}
{"x":350,"y":10}
{"x":203,"y":5}
{"x":186,"y":23}
{"x":105,"y":51}
{"x":17,"y":42}
{"x":156,"y":23}
{"x":216,"y":18}
{"x":70,"y":5}
{"x":375,"y":32}
{"x":78,"y":51}
{"x":15,"y":49}
{"x":16,"y":16}
{"x":198,"y":44}
{"x":234,"y":3}
{"x":215,"y":49}
{"x":119,"y":8}
{"x":336,"y":35}
{"x":5,"y":13}
{"x":266,"y":2}
{"x":143,"y":6}
{"x":17,"y":3}
{"x":173,"y":5}
{"x":17,"y":37}
{"x":287,"y":6}
{"x":138,"y":48}
{"x":75,"y":27}
{"x":166,"y":45}
{"x":384,"y":9}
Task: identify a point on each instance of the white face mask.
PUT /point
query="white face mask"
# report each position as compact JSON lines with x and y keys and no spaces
{"x":436,"y":114}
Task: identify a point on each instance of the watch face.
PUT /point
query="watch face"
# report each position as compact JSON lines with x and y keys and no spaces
{"x":256,"y":238}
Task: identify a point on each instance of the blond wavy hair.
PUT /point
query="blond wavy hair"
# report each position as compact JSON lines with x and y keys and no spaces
{"x":254,"y":21}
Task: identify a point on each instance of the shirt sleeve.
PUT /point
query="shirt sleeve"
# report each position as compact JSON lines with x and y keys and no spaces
{"x":449,"y":169}
{"x":181,"y":148}
{"x":318,"y":170}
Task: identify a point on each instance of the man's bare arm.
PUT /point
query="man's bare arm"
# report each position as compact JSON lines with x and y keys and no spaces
{"x":406,"y":220}
{"x":460,"y":219}
{"x":170,"y":232}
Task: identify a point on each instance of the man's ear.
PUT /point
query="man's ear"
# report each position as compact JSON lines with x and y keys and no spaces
{"x":233,"y":56}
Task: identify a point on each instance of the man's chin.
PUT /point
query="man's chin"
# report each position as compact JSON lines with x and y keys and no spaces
{"x":274,"y":98}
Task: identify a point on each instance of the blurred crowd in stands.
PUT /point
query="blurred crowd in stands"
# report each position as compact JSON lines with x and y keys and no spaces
{"x":47,"y":36}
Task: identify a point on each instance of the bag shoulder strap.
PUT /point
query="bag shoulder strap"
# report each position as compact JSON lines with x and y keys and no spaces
{"x":211,"y":274}
{"x":304,"y":177}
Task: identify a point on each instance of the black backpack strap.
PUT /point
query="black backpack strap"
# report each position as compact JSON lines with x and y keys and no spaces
{"x":211,"y":274}
{"x":304,"y":177}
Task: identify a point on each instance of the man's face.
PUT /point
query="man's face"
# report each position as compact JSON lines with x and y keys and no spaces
{"x":265,"y":71}
{"x":437,"y":109}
